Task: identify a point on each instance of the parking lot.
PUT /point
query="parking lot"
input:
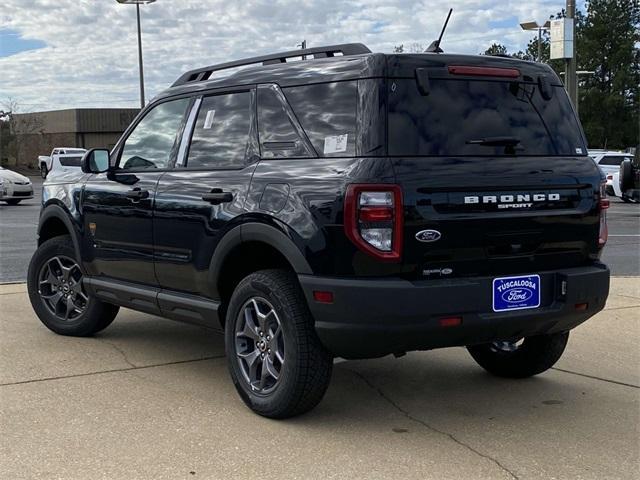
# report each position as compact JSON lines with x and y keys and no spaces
{"x":151,"y":398}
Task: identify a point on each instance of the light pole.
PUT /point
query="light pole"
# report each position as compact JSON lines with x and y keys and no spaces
{"x":137,"y":4}
{"x":578,"y":73}
{"x":534,"y":26}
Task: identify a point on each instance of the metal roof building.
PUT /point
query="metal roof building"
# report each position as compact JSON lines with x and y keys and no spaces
{"x":37,"y":133}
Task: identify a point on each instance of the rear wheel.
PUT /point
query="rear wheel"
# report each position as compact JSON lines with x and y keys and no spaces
{"x":523,"y":358}
{"x":276,"y":361}
{"x":43,"y":171}
{"x":58,"y":296}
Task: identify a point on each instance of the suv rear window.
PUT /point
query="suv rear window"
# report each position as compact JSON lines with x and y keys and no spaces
{"x":458,"y":111}
{"x":70,"y":161}
{"x":612,"y":160}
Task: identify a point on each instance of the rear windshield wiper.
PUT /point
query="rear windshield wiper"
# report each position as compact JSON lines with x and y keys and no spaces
{"x":495,"y":141}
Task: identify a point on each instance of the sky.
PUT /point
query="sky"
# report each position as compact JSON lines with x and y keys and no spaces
{"x":83,"y":53}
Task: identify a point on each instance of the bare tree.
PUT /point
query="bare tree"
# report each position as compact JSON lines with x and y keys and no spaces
{"x":14,"y":128}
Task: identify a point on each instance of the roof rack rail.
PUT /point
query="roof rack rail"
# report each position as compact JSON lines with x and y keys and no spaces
{"x":200,"y":74}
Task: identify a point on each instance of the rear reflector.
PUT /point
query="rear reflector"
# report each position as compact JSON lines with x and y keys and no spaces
{"x":582,"y":306}
{"x":450,"y":321}
{"x":484,"y":71}
{"x":323,"y":297}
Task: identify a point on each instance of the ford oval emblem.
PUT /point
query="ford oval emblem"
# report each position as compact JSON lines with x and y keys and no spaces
{"x":517,"y":295}
{"x":428,"y":236}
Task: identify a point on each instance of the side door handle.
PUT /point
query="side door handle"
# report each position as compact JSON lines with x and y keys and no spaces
{"x":137,"y":194}
{"x":216,"y":196}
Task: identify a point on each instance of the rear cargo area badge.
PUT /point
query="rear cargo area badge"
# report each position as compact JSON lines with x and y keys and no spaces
{"x":428,"y":236}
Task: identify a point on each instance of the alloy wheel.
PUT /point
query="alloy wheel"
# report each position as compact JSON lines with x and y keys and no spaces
{"x":60,"y":288}
{"x":259,"y":342}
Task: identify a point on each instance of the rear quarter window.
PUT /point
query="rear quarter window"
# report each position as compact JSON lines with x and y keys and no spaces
{"x":327,"y":113}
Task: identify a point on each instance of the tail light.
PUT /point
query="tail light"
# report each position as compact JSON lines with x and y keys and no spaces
{"x":373,"y":219}
{"x":603,"y":204}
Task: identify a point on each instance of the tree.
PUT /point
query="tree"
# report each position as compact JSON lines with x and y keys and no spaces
{"x":606,"y":43}
{"x":496,"y":49}
{"x":13,"y":128}
{"x":414,"y":47}
{"x":610,"y":99}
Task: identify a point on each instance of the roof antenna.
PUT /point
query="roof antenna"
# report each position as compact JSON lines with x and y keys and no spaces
{"x":435,"y":45}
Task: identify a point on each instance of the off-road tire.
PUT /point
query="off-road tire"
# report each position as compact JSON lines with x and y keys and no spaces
{"x":535,"y":355}
{"x":306,"y":370}
{"x":96,"y":316}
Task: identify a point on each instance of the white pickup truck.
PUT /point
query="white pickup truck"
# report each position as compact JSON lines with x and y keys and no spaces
{"x":49,"y":162}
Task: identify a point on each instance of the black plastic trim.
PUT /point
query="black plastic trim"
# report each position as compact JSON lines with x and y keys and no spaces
{"x":165,"y":303}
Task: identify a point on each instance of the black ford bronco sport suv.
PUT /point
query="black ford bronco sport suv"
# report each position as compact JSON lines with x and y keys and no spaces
{"x":349,"y":204}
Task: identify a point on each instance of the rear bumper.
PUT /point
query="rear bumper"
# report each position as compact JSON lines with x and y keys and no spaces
{"x":375,"y":317}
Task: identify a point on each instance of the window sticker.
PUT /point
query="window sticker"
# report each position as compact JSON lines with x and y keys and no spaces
{"x":579,"y":150}
{"x":335,"y":143}
{"x":208,"y":120}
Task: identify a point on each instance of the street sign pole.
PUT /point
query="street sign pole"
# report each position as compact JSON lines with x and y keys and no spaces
{"x":570,"y":63}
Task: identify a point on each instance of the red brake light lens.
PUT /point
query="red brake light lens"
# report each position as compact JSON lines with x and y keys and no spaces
{"x":376,"y":214}
{"x":373,"y":219}
{"x":603,"y":204}
{"x":484,"y":71}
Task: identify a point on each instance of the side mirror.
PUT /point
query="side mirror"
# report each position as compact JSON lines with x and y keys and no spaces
{"x":95,"y":160}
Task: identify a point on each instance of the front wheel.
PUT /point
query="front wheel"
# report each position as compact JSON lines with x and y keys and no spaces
{"x":523,"y":358}
{"x":57,"y":295}
{"x":276,"y":361}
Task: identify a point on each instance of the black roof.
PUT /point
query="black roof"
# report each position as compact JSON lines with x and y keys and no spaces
{"x":335,"y":63}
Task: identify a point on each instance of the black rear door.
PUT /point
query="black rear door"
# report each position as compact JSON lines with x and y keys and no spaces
{"x":495,"y":161}
{"x":117,"y":207}
{"x":197,"y":201}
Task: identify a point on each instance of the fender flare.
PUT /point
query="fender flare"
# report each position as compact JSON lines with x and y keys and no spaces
{"x":259,"y":232}
{"x":59,"y":213}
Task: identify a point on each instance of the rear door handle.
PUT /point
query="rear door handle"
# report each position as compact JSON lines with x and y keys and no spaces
{"x":137,"y":194}
{"x":217,"y":196}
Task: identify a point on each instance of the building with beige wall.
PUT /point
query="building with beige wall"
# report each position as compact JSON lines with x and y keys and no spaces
{"x":37,"y":133}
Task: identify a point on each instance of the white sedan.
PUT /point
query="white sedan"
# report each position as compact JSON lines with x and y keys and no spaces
{"x":14,"y":187}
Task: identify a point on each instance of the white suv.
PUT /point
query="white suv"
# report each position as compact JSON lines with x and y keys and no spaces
{"x":609,"y":162}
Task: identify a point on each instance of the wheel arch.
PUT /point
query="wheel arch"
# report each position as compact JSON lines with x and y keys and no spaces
{"x":247,"y":248}
{"x":54,"y":222}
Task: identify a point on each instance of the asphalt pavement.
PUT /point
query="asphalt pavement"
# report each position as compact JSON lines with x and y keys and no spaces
{"x":18,"y":225}
{"x":151,"y":399}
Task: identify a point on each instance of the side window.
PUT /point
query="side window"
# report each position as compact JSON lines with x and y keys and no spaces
{"x":221,"y":135}
{"x":278,"y":136}
{"x":327,"y":112}
{"x":152,"y":142}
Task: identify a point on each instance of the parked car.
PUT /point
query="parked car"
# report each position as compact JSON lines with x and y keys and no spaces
{"x":353,"y":204}
{"x":14,"y":187}
{"x":48,"y":162}
{"x":628,"y":181}
{"x":609,"y":162}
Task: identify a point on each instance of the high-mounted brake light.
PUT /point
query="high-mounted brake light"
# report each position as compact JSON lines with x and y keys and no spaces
{"x":373,"y":219}
{"x":484,"y":71}
{"x":603,"y":205}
